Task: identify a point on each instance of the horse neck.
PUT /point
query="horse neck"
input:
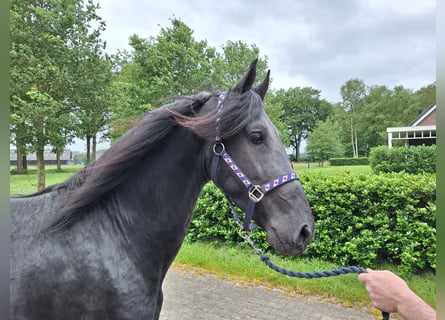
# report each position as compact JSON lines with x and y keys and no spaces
{"x":156,"y":202}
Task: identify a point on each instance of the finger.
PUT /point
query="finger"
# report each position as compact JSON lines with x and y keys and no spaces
{"x":362,"y":277}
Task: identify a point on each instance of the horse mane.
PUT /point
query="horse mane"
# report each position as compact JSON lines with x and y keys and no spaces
{"x":92,"y":182}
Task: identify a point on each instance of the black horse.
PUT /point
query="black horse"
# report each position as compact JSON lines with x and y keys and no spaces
{"x":98,"y":245}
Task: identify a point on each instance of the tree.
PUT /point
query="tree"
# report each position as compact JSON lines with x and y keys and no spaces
{"x":43,"y":36}
{"x":302,"y":108}
{"x":92,"y":97}
{"x":173,"y":62}
{"x":353,"y":93}
{"x":426,"y":96}
{"x":275,"y":112}
{"x":231,"y":65}
{"x":323,"y":141}
{"x":170,"y":64}
{"x":376,"y":110}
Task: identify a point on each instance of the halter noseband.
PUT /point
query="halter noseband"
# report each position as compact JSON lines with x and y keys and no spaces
{"x":256,"y":192}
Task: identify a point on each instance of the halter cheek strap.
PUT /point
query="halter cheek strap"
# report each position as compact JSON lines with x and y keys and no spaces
{"x":255,"y":192}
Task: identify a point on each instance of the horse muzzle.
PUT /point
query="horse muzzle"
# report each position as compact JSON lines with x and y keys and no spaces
{"x":290,"y":243}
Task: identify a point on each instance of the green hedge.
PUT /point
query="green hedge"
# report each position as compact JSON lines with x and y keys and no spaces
{"x":360,"y":219}
{"x":416,"y":159}
{"x":368,"y":219}
{"x":349,"y":161}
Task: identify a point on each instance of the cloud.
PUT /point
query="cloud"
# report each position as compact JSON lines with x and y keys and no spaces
{"x":319,"y":43}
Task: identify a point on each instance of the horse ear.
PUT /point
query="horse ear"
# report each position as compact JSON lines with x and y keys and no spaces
{"x":261,"y":89}
{"x":246,"y":82}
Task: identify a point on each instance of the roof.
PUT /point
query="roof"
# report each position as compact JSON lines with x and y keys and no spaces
{"x":427,"y":112}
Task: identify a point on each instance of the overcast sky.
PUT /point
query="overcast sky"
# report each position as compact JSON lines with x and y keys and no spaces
{"x":317,"y":43}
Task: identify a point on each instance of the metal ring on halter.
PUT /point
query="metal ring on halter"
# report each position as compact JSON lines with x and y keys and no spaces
{"x":256,"y":193}
{"x":220,"y":145}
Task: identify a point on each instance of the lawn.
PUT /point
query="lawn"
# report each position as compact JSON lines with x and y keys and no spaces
{"x":303,"y":167}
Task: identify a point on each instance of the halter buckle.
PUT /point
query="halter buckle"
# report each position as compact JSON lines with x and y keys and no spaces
{"x":256,"y":194}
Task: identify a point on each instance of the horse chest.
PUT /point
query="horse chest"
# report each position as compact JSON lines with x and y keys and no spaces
{"x":74,"y":280}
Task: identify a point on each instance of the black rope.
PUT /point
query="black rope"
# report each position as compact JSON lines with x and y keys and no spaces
{"x":305,"y":275}
{"x":311,"y":275}
{"x":314,"y":275}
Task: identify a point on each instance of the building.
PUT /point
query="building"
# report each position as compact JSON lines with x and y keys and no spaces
{"x":422,"y":131}
{"x":50,"y":158}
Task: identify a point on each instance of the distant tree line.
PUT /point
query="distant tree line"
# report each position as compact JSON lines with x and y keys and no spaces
{"x":359,"y":121}
{"x":63,"y":85}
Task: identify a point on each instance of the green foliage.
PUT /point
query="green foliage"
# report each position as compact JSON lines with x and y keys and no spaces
{"x":349,"y":161}
{"x":53,"y":47}
{"x":415,"y":159}
{"x":302,"y":108}
{"x":170,"y":64}
{"x":323,"y":142}
{"x":360,"y":219}
{"x":366,"y":112}
{"x":369,"y":219}
{"x":353,"y":93}
{"x":276,"y":113}
{"x":231,"y":65}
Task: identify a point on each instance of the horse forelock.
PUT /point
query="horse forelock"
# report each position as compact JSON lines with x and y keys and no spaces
{"x":237,"y":112}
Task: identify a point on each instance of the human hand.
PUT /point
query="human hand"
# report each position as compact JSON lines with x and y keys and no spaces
{"x":386,"y":290}
{"x":390,"y":293}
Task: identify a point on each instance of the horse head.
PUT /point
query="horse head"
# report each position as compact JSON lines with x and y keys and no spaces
{"x":259,"y":173}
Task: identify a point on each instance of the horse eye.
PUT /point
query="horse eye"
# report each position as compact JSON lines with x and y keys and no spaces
{"x":256,"y":137}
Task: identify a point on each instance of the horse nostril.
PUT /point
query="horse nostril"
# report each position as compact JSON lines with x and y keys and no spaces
{"x":305,"y":235}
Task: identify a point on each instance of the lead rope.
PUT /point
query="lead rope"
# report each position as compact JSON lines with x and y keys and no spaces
{"x":305,"y":275}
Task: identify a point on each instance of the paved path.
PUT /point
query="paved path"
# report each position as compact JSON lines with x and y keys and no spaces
{"x":189,"y":295}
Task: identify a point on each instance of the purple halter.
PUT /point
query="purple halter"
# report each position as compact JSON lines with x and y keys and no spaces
{"x":256,"y":192}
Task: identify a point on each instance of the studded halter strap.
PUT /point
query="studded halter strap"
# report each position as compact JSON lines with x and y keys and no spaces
{"x":256,"y":192}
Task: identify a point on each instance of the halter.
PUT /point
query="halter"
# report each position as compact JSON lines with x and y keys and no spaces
{"x":255,"y":192}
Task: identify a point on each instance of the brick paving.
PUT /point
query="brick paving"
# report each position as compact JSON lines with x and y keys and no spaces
{"x":189,"y":295}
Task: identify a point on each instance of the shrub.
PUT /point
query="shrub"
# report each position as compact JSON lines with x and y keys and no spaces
{"x":360,"y":219}
{"x":349,"y":161}
{"x":368,"y":219}
{"x":417,"y":159}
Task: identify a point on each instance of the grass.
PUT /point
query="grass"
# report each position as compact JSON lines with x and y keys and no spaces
{"x":241,"y":264}
{"x":303,"y":167}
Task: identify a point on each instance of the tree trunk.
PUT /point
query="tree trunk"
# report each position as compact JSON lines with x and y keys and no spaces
{"x":353,"y":140}
{"x":20,"y":145}
{"x":94,"y":148}
{"x":25,"y":163}
{"x":19,"y":165}
{"x":356,"y":144}
{"x":40,"y":169}
{"x":297,"y":152}
{"x":297,"y":149}
{"x":88,"y":140}
{"x":59,"y":163}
